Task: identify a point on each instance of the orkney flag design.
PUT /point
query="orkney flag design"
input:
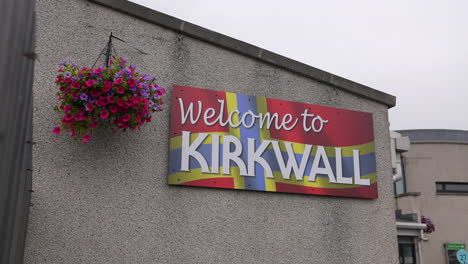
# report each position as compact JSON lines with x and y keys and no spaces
{"x":235,"y":141}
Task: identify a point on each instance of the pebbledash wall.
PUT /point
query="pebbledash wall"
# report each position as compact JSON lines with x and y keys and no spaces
{"x":108,"y":201}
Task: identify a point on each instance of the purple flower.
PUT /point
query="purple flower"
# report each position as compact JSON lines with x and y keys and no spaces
{"x":110,"y":94}
{"x":84,"y":97}
{"x":92,"y":99}
{"x":63,"y":63}
{"x":145,"y":93}
{"x":133,"y":89}
{"x":67,"y":74}
{"x":146,"y":77}
{"x":134,"y":67}
{"x":155,"y":96}
{"x":74,"y":65}
{"x":80,"y":77}
{"x":127,"y":71}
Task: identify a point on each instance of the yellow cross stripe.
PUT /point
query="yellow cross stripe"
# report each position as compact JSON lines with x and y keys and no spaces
{"x":262,"y":108}
{"x":197,"y":174}
{"x":231,"y":103}
{"x":270,"y":184}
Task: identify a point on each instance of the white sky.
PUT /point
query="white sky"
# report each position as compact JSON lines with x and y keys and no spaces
{"x":416,"y":50}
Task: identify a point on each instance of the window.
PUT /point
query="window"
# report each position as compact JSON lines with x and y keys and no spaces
{"x":400,"y":184}
{"x":451,"y":187}
{"x":406,"y":250}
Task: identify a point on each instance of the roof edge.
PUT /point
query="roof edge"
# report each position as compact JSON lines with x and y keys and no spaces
{"x":446,"y":136}
{"x":246,"y":49}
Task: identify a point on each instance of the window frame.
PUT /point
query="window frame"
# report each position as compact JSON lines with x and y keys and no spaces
{"x":402,"y":179}
{"x":443,"y":188}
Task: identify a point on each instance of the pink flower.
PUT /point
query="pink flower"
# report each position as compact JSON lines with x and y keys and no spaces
{"x":94,"y":124}
{"x":120,"y":90}
{"x":126,"y":117}
{"x":89,"y":107}
{"x":113,"y":109}
{"x":118,"y":81}
{"x":67,"y":80}
{"x":56,"y":130}
{"x":161,"y":91}
{"x":104,"y":114}
{"x":94,"y":93}
{"x":120,"y":102}
{"x":67,"y":108}
{"x":80,"y":116}
{"x":111,"y":99}
{"x":106,"y":88}
{"x":68,"y":117}
{"x":131,"y":82}
{"x":86,"y":138}
{"x":74,"y":84}
{"x":89,"y":83}
{"x":68,"y":122}
{"x":98,"y":70}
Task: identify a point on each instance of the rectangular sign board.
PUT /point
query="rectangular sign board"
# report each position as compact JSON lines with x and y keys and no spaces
{"x":235,"y":141}
{"x":456,"y":253}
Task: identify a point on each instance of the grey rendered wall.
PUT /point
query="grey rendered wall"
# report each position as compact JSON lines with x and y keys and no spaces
{"x":108,"y":201}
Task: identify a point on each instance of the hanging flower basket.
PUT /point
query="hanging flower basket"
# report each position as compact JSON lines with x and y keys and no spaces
{"x":430,"y":225}
{"x":117,"y":97}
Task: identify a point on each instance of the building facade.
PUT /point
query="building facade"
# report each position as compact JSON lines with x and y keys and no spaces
{"x":108,"y":201}
{"x":434,"y":184}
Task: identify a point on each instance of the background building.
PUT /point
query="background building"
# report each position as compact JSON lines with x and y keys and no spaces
{"x":434,"y":183}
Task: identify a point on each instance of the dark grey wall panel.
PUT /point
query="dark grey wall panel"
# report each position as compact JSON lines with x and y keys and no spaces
{"x":436,"y":136}
{"x":16,"y":75}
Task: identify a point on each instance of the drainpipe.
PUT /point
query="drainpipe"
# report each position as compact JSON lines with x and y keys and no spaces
{"x":420,"y":257}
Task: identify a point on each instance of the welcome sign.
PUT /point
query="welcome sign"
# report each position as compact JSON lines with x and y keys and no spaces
{"x":235,"y":141}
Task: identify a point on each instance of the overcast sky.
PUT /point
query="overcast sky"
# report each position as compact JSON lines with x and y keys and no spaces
{"x":415,"y":50}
